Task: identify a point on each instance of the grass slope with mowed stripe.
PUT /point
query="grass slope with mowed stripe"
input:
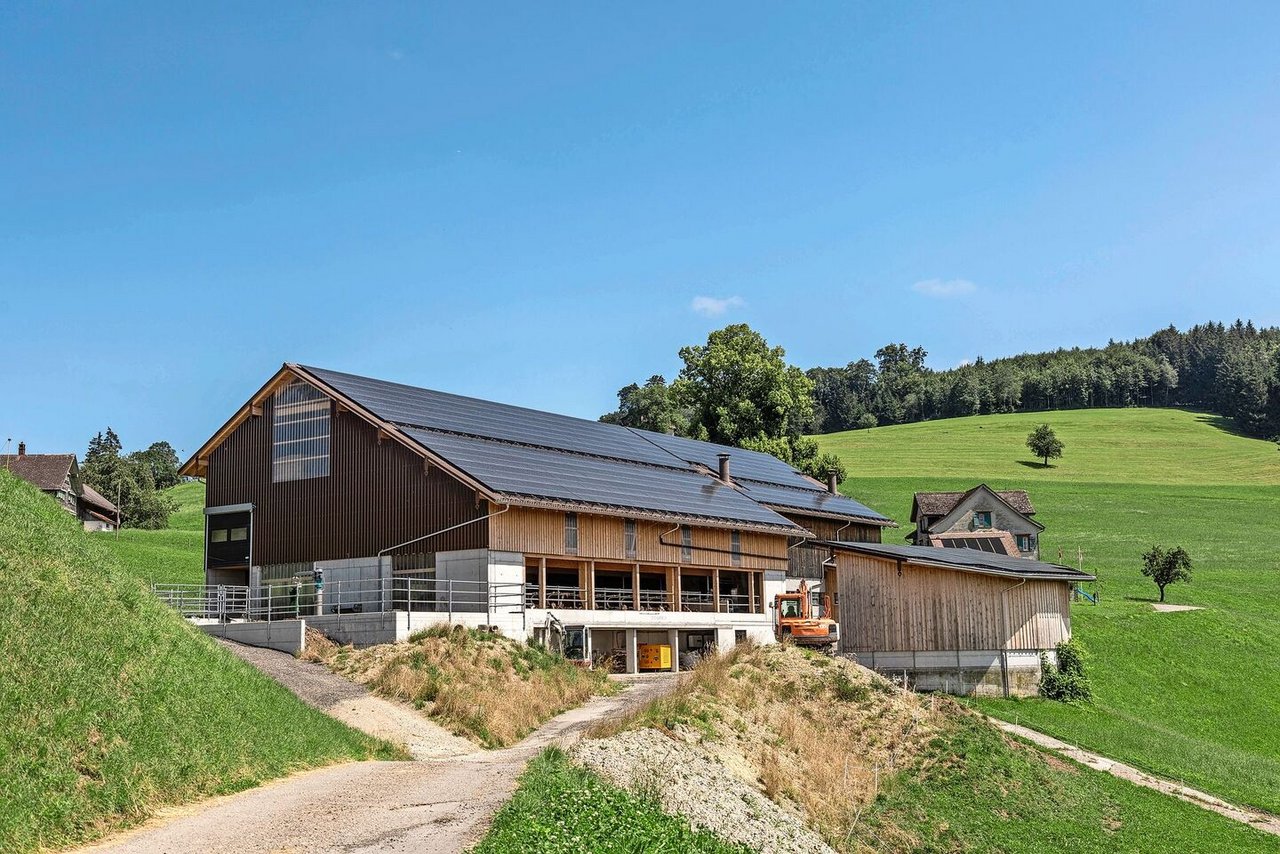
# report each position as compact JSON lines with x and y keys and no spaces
{"x":1187,"y":695}
{"x":111,"y":704}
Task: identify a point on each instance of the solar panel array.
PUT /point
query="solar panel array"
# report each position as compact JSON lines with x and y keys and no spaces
{"x":530,"y":452}
{"x":437,"y":410}
{"x":819,"y":501}
{"x":983,"y":544}
{"x":970,"y":559}
{"x":543,"y":473}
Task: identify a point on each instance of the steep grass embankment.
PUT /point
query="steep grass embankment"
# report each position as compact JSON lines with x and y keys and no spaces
{"x":481,"y":686}
{"x":873,"y":768}
{"x":1186,"y":695}
{"x":173,"y":555}
{"x":111,"y":705}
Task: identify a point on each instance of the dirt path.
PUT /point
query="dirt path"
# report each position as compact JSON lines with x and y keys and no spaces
{"x":436,"y":806}
{"x":322,"y":689}
{"x":1262,"y":821}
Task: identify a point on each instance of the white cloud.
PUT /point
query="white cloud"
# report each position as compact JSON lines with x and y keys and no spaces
{"x":944,"y":288}
{"x":714,"y":306}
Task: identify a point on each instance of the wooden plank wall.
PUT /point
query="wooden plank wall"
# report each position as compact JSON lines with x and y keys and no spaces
{"x":534,"y":531}
{"x":929,"y":609}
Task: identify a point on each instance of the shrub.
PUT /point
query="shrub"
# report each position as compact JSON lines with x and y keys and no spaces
{"x":1067,"y":681}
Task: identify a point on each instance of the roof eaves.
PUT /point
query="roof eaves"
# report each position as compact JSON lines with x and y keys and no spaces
{"x":1067,"y":574}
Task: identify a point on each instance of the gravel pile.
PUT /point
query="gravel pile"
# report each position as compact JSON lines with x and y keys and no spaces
{"x":687,"y":781}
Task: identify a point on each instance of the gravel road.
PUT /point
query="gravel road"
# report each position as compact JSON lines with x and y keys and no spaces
{"x":435,"y":806}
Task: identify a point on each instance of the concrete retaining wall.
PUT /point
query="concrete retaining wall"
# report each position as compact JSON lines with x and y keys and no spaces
{"x":284,"y":635}
{"x":971,"y":672}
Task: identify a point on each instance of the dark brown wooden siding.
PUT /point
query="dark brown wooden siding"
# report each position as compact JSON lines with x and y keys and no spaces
{"x":375,"y":496}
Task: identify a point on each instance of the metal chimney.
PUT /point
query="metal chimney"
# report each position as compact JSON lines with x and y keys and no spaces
{"x":724,"y":468}
{"x":833,"y":485}
{"x":22,"y":449}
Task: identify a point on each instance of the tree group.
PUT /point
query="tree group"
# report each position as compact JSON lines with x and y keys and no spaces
{"x":134,"y":482}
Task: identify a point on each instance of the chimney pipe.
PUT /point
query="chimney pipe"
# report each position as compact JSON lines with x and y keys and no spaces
{"x":724,"y":468}
{"x":833,"y":485}
{"x":22,"y":449}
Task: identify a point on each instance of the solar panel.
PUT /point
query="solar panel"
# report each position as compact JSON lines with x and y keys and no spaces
{"x":438,"y":410}
{"x":744,"y":464}
{"x":973,"y":559}
{"x":814,"y":500}
{"x":543,"y":473}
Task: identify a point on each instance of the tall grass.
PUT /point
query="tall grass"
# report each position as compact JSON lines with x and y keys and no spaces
{"x":111,"y":705}
{"x":482,"y":686}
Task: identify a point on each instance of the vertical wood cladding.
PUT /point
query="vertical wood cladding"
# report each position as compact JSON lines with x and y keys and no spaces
{"x":375,"y":496}
{"x":925,"y":609}
{"x":535,"y":531}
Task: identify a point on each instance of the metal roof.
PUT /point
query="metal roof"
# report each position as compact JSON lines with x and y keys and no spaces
{"x":811,"y":500}
{"x":519,"y":451}
{"x":969,"y":560}
{"x":520,"y":470}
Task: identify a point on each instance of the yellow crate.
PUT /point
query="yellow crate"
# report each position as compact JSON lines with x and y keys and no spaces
{"x":655,"y":656}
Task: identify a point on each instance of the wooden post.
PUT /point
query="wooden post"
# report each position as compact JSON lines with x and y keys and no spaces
{"x":591,"y":584}
{"x":582,"y":584}
{"x":751,"y":592}
{"x":542,"y":582}
{"x":635,"y":588}
{"x":715,"y":590}
{"x":675,"y":594}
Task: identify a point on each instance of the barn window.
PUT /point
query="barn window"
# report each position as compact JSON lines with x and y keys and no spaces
{"x":686,"y":543}
{"x":629,"y":538}
{"x":299,"y":433}
{"x":982,"y":519}
{"x":571,"y":533}
{"x":735,"y":548}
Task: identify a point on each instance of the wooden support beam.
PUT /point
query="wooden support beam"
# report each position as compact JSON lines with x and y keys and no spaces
{"x":635,"y":586}
{"x":675,"y":592}
{"x":751,"y":592}
{"x":715,"y":590}
{"x":591,"y":584}
{"x":255,"y":409}
{"x":542,"y":582}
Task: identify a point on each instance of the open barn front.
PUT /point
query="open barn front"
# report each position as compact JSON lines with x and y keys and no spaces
{"x":950,"y":620}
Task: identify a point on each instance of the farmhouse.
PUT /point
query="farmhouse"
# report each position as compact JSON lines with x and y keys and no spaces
{"x":375,"y":509}
{"x":957,"y":620}
{"x":385,"y":507}
{"x":981,"y":518}
{"x":58,"y":475}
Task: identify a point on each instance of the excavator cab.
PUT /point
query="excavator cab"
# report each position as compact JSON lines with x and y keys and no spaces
{"x":794,"y":621}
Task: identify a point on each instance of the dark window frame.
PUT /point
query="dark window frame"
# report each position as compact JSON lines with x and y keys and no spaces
{"x":571,"y":533}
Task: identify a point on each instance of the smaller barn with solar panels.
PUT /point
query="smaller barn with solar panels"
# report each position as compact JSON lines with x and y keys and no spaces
{"x":373,"y":509}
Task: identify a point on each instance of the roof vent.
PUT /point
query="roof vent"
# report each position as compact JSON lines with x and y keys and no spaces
{"x":724,"y":469}
{"x":833,"y":482}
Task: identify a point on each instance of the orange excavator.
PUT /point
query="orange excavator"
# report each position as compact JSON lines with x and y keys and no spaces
{"x":794,"y":621}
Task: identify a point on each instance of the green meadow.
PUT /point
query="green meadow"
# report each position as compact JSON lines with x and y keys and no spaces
{"x":173,"y":555}
{"x":1189,"y":695}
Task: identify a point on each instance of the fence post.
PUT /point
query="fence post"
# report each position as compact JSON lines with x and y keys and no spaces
{"x":449,"y":593}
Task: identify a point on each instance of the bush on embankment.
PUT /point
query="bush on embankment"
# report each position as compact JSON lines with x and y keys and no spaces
{"x":110,"y":704}
{"x":482,"y":686}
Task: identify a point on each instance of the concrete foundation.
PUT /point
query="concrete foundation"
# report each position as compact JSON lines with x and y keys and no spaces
{"x":986,"y":673}
{"x":284,"y":635}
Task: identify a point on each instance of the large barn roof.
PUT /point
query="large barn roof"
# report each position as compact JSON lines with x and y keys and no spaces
{"x":969,"y":560}
{"x":528,"y":457}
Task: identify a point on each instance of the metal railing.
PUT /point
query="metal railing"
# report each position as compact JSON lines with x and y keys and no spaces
{"x":290,"y":600}
{"x":730,"y":603}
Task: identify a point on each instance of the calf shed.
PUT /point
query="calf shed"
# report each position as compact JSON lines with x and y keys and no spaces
{"x":953,"y":620}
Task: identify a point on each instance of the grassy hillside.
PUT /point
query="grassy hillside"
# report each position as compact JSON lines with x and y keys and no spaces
{"x":876,"y":769}
{"x":110,"y":704}
{"x":1186,"y":695}
{"x":171,"y":556}
{"x":481,"y":686}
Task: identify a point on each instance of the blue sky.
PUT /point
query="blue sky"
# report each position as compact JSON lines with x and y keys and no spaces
{"x":539,"y":204}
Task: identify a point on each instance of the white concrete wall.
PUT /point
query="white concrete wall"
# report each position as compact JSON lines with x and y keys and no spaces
{"x":360,"y":582}
{"x":285,"y":635}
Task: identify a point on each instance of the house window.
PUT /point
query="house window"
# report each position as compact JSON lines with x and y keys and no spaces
{"x":1026,"y":543}
{"x":629,"y":538}
{"x":982,"y":519}
{"x":571,"y":533}
{"x":299,"y":433}
{"x":735,"y":548}
{"x":686,"y":543}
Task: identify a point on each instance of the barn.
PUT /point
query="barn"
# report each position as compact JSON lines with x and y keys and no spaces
{"x":956,"y":620}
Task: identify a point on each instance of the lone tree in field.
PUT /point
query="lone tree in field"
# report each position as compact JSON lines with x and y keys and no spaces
{"x":1044,"y":443}
{"x":1166,"y":567}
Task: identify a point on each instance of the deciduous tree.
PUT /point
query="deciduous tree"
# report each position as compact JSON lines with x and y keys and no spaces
{"x":1166,"y":567}
{"x":1045,"y":444}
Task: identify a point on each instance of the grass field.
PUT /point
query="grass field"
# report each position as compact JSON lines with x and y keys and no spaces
{"x":170,"y":556}
{"x":1187,"y":695}
{"x":112,"y":705}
